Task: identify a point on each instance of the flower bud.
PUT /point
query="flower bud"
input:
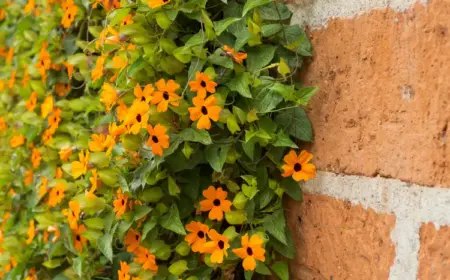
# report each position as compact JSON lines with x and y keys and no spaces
{"x":178,"y":267}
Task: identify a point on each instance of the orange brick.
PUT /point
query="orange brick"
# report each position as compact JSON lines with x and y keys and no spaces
{"x":434,"y":254}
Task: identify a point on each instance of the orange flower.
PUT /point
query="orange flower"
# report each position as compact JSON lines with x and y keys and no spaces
{"x":166,"y":95}
{"x":59,"y":173}
{"x":29,"y":7}
{"x":80,"y":167}
{"x":147,"y":259}
{"x":31,"y":232}
{"x":2,"y":14}
{"x":12,"y":80}
{"x":123,"y":272}
{"x":132,"y":240}
{"x":55,"y":118}
{"x":47,"y":106}
{"x":69,"y":68}
{"x":43,"y":187}
{"x":65,"y":153}
{"x":202,"y":85}
{"x":73,"y":214}
{"x":47,"y":136}
{"x":3,"y":125}
{"x":78,"y":239}
{"x":157,"y":3}
{"x":97,"y":72}
{"x":204,"y":110}
{"x":10,"y":55}
{"x":127,"y":20}
{"x":118,"y":63}
{"x":62,"y":89}
{"x":197,"y":236}
{"x":100,"y":142}
{"x":108,"y":96}
{"x":16,"y":141}
{"x":115,"y":130}
{"x":44,"y":63}
{"x":26,"y":76}
{"x":157,"y":139}
{"x":104,"y":39}
{"x":36,"y":158}
{"x":217,"y":246}
{"x":94,"y":184}
{"x":32,"y":101}
{"x":144,"y":95}
{"x":69,"y":16}
{"x":137,"y":117}
{"x":122,"y":110}
{"x":215,"y":203}
{"x":298,"y":166}
{"x":120,"y":203}
{"x":237,"y":56}
{"x":251,"y":251}
{"x":28,"y":177}
{"x":57,"y":194}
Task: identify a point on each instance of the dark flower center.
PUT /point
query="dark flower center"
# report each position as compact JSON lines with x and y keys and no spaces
{"x":57,"y":193}
{"x":166,"y":95}
{"x":123,"y":202}
{"x":137,"y":237}
{"x":143,"y":97}
{"x":221,"y":244}
{"x":139,"y":117}
{"x":216,"y":202}
{"x":201,"y":234}
{"x":203,"y":84}
{"x":155,"y":139}
{"x":78,"y":238}
{"x":73,"y":214}
{"x":165,"y":1}
{"x":249,"y":251}
{"x":297,"y":167}
{"x":70,"y":16}
{"x":204,"y":110}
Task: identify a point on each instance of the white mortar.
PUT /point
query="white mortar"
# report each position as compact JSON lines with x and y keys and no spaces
{"x":317,"y":13}
{"x":412,"y":205}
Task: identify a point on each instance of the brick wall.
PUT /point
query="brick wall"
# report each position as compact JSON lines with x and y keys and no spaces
{"x":380,"y":206}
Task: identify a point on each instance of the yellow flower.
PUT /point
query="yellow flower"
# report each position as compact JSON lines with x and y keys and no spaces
{"x":29,"y":7}
{"x":31,"y":232}
{"x":47,"y":106}
{"x":123,"y":272}
{"x":251,"y":251}
{"x":108,"y":96}
{"x":73,"y":214}
{"x":127,"y":20}
{"x":137,"y":117}
{"x":80,"y":167}
{"x":118,"y":63}
{"x":26,"y":76}
{"x":69,"y":68}
{"x":144,"y":95}
{"x":32,"y":101}
{"x":97,"y":72}
{"x":47,"y":136}
{"x":43,"y":187}
{"x":69,"y":16}
{"x":100,"y":142}
{"x":217,"y":247}
{"x":204,"y":111}
{"x":166,"y":95}
{"x":157,"y":139}
{"x":298,"y":166}
{"x":215,"y":202}
{"x":36,"y":158}
{"x":94,"y":183}
{"x":12,"y":80}
{"x":197,"y":236}
{"x":17,"y":141}
{"x":157,"y":3}
{"x":54,"y":119}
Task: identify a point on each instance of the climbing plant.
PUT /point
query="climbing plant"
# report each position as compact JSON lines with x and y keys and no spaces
{"x":150,"y":139}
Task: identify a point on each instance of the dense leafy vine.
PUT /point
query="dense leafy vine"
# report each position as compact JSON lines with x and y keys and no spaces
{"x":149,"y":139}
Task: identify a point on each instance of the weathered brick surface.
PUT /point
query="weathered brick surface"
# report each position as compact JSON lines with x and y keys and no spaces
{"x":434,"y":254}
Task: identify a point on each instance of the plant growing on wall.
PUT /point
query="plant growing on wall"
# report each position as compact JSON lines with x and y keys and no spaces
{"x":149,"y":139}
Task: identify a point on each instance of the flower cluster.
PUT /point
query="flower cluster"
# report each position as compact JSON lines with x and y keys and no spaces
{"x":149,"y":139}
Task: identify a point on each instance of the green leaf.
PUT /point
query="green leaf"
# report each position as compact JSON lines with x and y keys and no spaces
{"x":232,"y":124}
{"x":183,"y":54}
{"x":249,"y":148}
{"x":281,"y":269}
{"x":171,"y":221}
{"x":95,"y":223}
{"x":265,"y":197}
{"x":304,"y":95}
{"x":295,"y":122}
{"x":216,"y":155}
{"x":217,"y":59}
{"x":286,"y":250}
{"x":148,"y":226}
{"x":283,"y":140}
{"x":136,"y":67}
{"x":78,"y":266}
{"x":270,"y":29}
{"x":117,"y":15}
{"x":140,"y":211}
{"x":53,"y":263}
{"x":275,"y":225}
{"x":268,"y":12}
{"x":259,"y":56}
{"x":251,"y":4}
{"x":242,"y":38}
{"x":249,"y":191}
{"x":104,"y":244}
{"x":173,"y":188}
{"x":195,"y":135}
{"x":283,"y":68}
{"x":171,"y":65}
{"x":240,"y":114}
{"x":248,"y":274}
{"x":222,"y":25}
{"x":240,"y":83}
{"x":297,"y":40}
{"x":266,"y":98}
{"x":261,"y":268}
{"x":292,"y":188}
{"x":196,"y":39}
